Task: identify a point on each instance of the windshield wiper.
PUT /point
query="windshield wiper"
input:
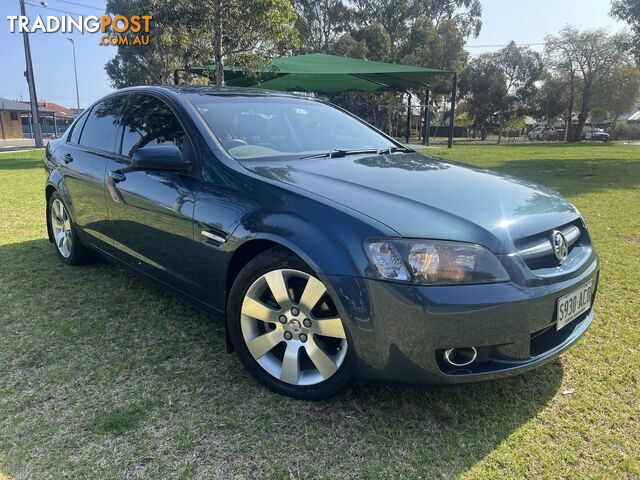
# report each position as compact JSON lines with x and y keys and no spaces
{"x":341,"y":152}
{"x":393,"y":149}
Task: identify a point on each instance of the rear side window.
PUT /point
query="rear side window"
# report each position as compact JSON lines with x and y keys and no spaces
{"x":147,"y":120}
{"x":77,"y":128}
{"x":100,"y":127}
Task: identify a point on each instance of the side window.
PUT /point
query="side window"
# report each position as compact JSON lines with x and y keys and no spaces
{"x":146,"y":121}
{"x":101,"y":125}
{"x":77,"y":128}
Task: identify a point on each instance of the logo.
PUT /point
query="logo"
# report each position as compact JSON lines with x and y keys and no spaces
{"x":295,"y":325}
{"x":119,"y":30}
{"x":560,"y":247}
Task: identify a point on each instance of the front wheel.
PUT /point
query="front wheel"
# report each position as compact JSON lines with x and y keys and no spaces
{"x":286,"y":328}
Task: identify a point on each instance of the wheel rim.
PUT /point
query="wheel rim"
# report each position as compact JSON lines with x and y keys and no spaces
{"x":292,"y":328}
{"x":61,"y":227}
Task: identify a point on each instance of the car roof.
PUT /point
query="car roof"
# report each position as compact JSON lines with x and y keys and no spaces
{"x":210,"y":90}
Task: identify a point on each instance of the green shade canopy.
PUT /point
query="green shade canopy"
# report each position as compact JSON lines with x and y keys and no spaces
{"x":322,"y":73}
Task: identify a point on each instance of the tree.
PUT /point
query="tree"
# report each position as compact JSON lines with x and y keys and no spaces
{"x":398,"y":16}
{"x":483,"y":87}
{"x":629,"y":11}
{"x":440,"y":46}
{"x":465,"y":120}
{"x":465,"y":14}
{"x":347,"y":46}
{"x":172,"y":44}
{"x":619,"y":93}
{"x":393,"y":15}
{"x":242,"y":33}
{"x":377,"y":41}
{"x":590,"y":57}
{"x":522,"y":68}
{"x":320,"y":22}
{"x":502,"y":85}
{"x":552,"y":97}
{"x":247,"y":32}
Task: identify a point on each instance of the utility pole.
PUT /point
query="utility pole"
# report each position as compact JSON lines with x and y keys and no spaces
{"x":37,"y":133}
{"x":75,"y":70}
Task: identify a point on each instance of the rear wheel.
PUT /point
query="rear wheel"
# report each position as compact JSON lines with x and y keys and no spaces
{"x":64,"y":235}
{"x":286,"y":328}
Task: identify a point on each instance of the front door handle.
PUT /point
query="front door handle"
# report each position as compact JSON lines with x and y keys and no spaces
{"x":67,"y":158}
{"x":117,"y":176}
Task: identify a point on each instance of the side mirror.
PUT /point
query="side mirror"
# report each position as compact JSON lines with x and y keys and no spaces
{"x":160,"y":157}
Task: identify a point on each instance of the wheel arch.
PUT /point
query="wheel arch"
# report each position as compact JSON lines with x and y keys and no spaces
{"x":243,"y":255}
{"x":250,"y":249}
{"x":48,"y":191}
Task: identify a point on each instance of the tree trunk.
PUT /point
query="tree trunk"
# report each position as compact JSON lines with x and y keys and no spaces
{"x":217,"y":45}
{"x":584,"y":112}
{"x":582,"y":119}
{"x":614,"y":124}
{"x":567,"y":133}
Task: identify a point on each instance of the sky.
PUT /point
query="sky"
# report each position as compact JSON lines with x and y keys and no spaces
{"x":526,"y":22}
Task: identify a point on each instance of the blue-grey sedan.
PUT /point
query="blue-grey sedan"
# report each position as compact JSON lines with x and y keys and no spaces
{"x":332,"y":251}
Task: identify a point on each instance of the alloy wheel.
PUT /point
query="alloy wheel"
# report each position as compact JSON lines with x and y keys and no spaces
{"x":292,"y":328}
{"x":61,"y":228}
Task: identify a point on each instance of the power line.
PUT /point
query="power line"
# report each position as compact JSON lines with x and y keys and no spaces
{"x":505,"y":45}
{"x":83,"y":5}
{"x":54,"y":9}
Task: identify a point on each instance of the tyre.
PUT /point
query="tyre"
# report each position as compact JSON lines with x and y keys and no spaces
{"x":286,"y":329}
{"x":63,"y":232}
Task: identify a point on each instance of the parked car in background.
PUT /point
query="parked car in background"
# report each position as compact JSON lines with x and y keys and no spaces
{"x":596,"y":134}
{"x":332,"y":251}
{"x":536,"y":134}
{"x":558,"y":135}
{"x":545,"y":133}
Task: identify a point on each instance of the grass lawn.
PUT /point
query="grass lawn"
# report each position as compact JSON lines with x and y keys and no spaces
{"x":103,"y":375}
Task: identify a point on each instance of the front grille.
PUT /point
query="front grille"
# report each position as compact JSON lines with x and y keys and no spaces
{"x":537,"y":250}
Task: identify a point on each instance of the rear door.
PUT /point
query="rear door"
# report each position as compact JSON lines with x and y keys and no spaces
{"x":83,"y":165}
{"x":151,"y":211}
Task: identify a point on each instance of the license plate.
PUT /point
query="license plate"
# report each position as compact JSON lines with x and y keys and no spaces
{"x":574,"y":304}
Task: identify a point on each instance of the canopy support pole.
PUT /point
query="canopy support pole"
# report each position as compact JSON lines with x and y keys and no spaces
{"x":407,"y":132}
{"x":426,"y":128}
{"x":454,"y":87}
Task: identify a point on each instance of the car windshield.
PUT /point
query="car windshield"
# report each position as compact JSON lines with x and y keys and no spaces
{"x":258,"y":127}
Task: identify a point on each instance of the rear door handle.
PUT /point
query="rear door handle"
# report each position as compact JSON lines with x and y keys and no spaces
{"x":117,"y":176}
{"x":67,"y":158}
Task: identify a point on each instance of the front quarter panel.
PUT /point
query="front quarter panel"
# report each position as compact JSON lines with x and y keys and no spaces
{"x":241,"y":208}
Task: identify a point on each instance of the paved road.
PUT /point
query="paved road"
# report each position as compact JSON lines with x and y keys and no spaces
{"x":18,"y":144}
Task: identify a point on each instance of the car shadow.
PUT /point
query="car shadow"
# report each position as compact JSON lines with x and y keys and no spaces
{"x":83,"y":344}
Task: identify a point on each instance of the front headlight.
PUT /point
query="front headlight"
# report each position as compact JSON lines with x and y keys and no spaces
{"x":434,"y":262}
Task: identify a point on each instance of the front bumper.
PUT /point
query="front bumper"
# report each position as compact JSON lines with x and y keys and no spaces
{"x":399,"y":332}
